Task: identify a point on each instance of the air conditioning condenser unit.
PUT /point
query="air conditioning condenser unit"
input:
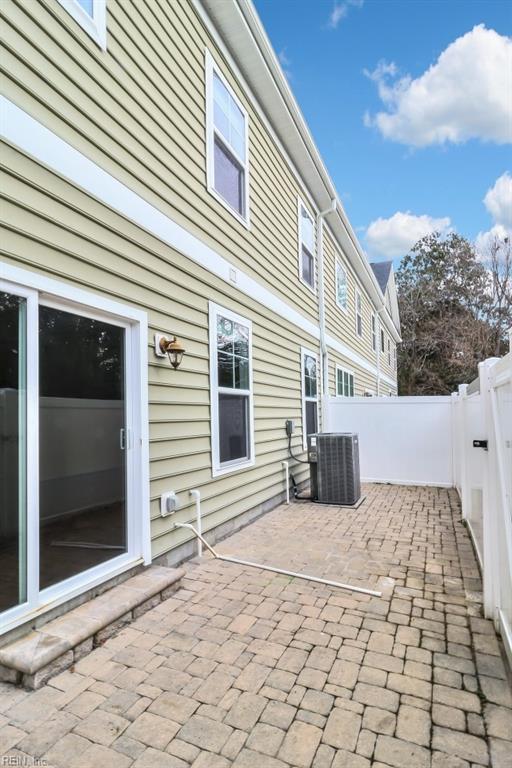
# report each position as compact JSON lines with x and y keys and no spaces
{"x":334,"y":465}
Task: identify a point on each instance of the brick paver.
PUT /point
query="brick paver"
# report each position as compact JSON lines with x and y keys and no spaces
{"x":246,"y":668}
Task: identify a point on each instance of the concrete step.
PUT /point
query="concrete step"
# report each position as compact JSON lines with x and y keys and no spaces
{"x":53,"y":647}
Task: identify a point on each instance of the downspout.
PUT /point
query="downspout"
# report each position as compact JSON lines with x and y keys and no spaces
{"x":379,"y":350}
{"x":324,"y":363}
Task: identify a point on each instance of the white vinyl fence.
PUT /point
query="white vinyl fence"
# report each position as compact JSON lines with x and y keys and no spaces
{"x":483,"y":477}
{"x":405,"y":440}
{"x":462,"y":441}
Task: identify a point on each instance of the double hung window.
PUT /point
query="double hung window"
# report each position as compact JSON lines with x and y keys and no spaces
{"x":231,"y":396}
{"x":309,"y":394}
{"x":359,"y":314}
{"x":341,"y":286}
{"x":227,"y":139}
{"x":344,"y":382}
{"x":306,"y":246}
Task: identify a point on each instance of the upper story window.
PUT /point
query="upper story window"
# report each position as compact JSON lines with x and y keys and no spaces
{"x":92,"y":17}
{"x":341,"y":286}
{"x":344,"y":382}
{"x":389,"y":352}
{"x":231,"y":390}
{"x":306,"y":246}
{"x":227,"y":144}
{"x":394,"y":357}
{"x":359,"y":314}
{"x":374,"y":332}
{"x":309,"y":395}
{"x":381,"y":340}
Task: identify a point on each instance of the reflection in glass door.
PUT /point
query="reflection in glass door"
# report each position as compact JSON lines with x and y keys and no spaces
{"x":82,"y":439}
{"x":13,"y":424}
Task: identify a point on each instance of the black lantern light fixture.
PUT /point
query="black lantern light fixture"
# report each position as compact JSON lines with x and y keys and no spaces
{"x":173,"y":348}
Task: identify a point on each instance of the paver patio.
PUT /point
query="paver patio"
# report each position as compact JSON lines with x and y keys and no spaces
{"x":247,"y":668}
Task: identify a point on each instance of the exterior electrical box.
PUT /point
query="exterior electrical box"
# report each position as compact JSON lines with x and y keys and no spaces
{"x":334,"y":465}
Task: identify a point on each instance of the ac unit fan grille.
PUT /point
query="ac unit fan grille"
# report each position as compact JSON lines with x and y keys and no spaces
{"x":338,"y":476}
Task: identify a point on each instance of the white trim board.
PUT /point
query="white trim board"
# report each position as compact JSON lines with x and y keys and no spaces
{"x":32,"y":137}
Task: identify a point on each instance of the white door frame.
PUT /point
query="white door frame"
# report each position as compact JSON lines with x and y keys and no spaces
{"x":38,"y":289}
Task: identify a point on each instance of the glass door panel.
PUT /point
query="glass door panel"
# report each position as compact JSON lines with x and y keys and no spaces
{"x":82,"y":492}
{"x":13,"y":444}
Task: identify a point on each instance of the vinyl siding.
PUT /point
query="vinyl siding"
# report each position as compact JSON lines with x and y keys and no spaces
{"x":56,"y":229}
{"x":341,"y":324}
{"x":362,"y":379}
{"x":138,"y":111}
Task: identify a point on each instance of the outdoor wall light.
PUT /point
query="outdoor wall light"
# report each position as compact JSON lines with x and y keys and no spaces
{"x":173,"y":348}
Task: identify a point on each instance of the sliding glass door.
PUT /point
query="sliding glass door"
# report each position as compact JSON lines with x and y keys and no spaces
{"x":13,"y":444}
{"x":73,"y":499}
{"x":82,"y":443}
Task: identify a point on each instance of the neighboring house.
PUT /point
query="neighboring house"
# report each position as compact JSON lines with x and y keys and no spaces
{"x":386,"y":346}
{"x":160,"y":180}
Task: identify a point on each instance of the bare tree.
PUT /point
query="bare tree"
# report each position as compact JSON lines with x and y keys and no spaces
{"x":498,"y":261}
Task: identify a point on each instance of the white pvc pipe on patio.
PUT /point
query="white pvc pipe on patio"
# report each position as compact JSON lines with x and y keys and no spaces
{"x":196,"y":495}
{"x":286,"y":466}
{"x":293,"y":574}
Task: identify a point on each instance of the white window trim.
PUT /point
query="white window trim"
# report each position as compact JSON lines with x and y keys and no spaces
{"x":338,"y":263}
{"x":219,"y":469}
{"x":210,"y":69}
{"x":358,"y":295}
{"x":41,"y":290}
{"x":389,"y":352}
{"x":310,"y":353}
{"x":302,"y":204}
{"x":351,"y":373}
{"x":96,"y":27}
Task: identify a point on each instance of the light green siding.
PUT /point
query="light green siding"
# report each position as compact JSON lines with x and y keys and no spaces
{"x":137,"y":110}
{"x":56,"y":229}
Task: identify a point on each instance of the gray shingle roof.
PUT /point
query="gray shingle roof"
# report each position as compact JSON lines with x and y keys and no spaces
{"x":381,"y":270}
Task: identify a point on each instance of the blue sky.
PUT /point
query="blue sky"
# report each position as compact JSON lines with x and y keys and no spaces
{"x":408,"y":149}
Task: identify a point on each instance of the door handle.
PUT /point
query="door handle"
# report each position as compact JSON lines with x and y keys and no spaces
{"x":125,"y":439}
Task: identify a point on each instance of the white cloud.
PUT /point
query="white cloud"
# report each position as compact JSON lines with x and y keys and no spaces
{"x":464,"y":95}
{"x":498,"y":201}
{"x":394,"y":237}
{"x":340,"y":10}
{"x":484,"y":240}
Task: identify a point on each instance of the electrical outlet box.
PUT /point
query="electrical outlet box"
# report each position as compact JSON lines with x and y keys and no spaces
{"x":290,"y":427}
{"x":169,"y":503}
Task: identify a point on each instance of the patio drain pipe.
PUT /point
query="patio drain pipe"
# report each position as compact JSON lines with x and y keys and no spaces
{"x":196,"y":495}
{"x":286,"y":466}
{"x":293,"y":574}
